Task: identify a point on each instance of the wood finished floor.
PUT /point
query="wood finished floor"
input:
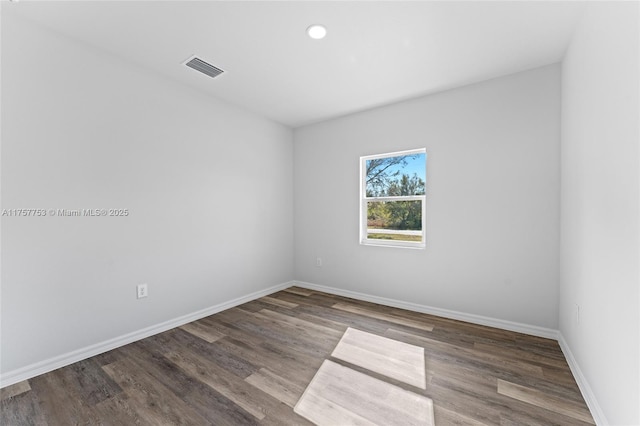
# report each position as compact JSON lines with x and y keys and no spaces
{"x":249,"y":366}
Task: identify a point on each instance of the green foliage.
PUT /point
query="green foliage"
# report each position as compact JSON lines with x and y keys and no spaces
{"x":404,"y":215}
{"x":377,"y":215}
{"x":398,"y":214}
{"x":406,"y":186}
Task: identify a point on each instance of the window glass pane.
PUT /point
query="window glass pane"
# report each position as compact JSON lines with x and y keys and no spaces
{"x":396,"y":176}
{"x":394,"y":220}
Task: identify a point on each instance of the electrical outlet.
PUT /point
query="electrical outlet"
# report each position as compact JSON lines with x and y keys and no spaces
{"x":318,"y":261}
{"x":142,"y":291}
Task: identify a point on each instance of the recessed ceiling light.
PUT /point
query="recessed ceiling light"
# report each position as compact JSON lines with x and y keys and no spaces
{"x":317,"y":31}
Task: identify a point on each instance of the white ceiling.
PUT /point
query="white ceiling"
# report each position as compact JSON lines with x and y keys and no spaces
{"x":375,"y":53}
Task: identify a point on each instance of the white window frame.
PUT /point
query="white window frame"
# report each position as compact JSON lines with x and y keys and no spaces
{"x":364,"y":240}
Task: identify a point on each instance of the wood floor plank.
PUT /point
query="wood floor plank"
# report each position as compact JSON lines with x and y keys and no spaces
{"x":23,"y":409}
{"x":477,"y":383}
{"x":299,"y":291}
{"x":218,"y":409}
{"x":237,"y":365}
{"x":349,"y":319}
{"x":537,"y":398}
{"x":151,"y":400}
{"x":205,"y":333}
{"x":385,"y":317}
{"x":303,"y":327}
{"x":14,"y":390}
{"x":229,"y":385}
{"x":279,"y":333}
{"x":60,"y":407}
{"x":298,"y":299}
{"x":278,"y":302}
{"x":464,"y":403}
{"x":515,"y":353}
{"x":89,"y":381}
{"x":210,"y":404}
{"x":119,"y":411}
{"x":444,"y":416}
{"x":292,"y":367}
{"x":276,"y":386}
{"x":336,"y":325}
{"x":563,"y":376}
{"x":324,"y":300}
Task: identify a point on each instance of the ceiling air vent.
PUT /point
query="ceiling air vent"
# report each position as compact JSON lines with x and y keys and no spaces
{"x":204,"y":67}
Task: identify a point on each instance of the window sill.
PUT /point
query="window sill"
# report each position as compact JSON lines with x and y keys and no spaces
{"x":394,"y":244}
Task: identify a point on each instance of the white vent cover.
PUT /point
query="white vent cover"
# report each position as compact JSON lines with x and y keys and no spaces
{"x":202,"y":66}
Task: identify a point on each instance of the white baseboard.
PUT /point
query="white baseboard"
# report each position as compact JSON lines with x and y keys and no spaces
{"x":585,"y":389}
{"x":475,"y":319}
{"x":54,"y":363}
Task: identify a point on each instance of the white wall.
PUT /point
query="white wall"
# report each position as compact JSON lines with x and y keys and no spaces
{"x":599,"y":208}
{"x":492,"y":200}
{"x":208,"y":187}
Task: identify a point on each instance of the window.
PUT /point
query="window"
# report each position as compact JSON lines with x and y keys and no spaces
{"x":392,"y":199}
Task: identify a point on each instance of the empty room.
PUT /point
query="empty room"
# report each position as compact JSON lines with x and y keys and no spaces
{"x":320,"y":212}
